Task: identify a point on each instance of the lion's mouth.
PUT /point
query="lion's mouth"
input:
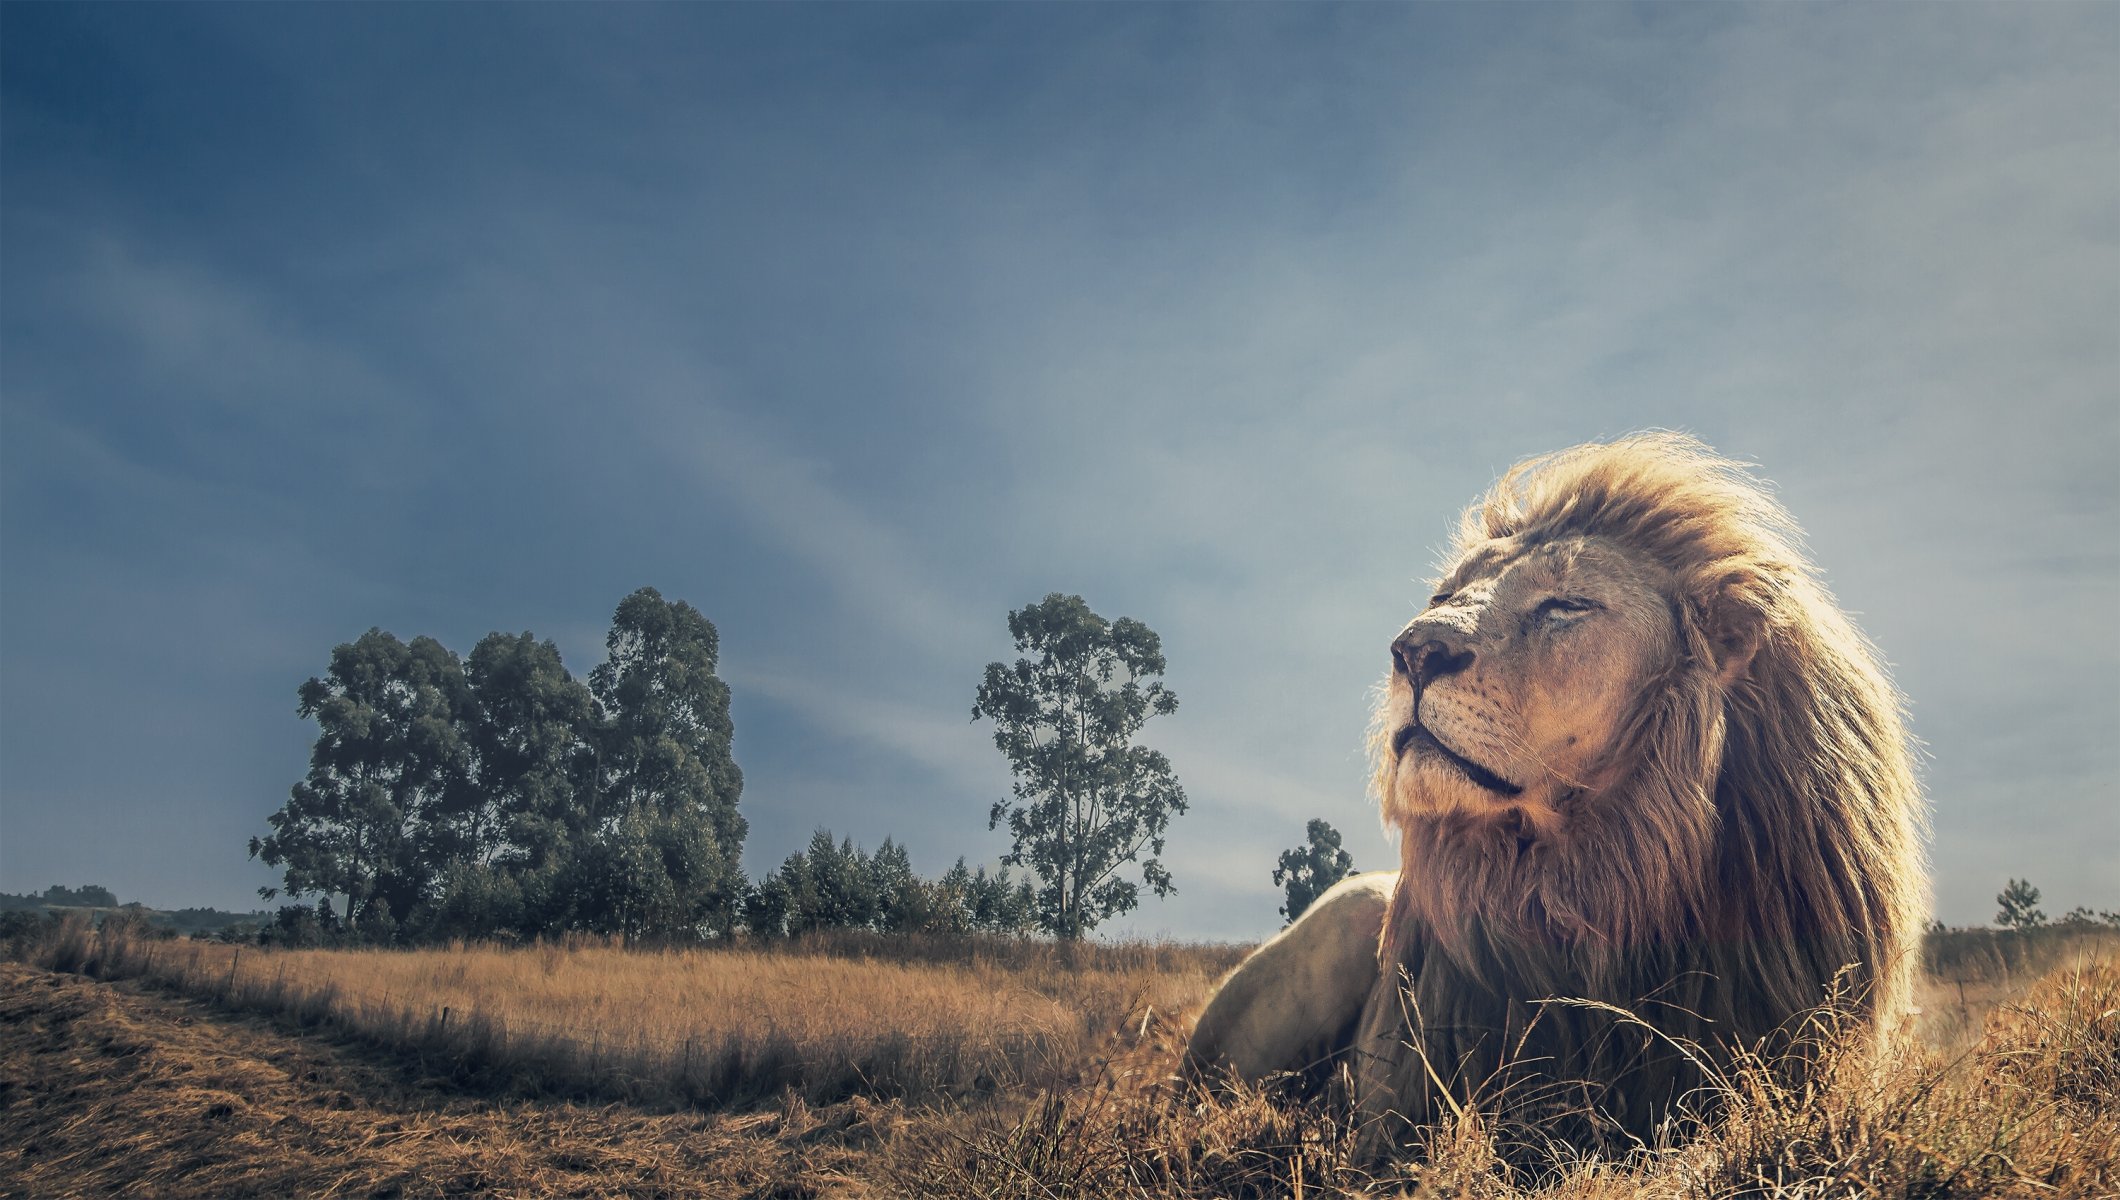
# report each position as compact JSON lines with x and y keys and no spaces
{"x":1416,"y":734}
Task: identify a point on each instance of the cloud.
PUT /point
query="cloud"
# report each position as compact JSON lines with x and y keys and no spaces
{"x":945,"y":743}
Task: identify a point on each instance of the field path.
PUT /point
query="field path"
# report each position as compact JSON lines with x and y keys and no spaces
{"x":109,"y":1090}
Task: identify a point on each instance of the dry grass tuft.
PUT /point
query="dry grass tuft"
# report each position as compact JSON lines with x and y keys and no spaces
{"x":1132,"y":1130}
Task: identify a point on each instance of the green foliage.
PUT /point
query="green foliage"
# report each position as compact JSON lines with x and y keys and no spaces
{"x":902,"y":903}
{"x":499,"y":796}
{"x":477,"y":900}
{"x":304,"y":926}
{"x":88,"y":895}
{"x":205,"y":920}
{"x":997,"y":904}
{"x":503,"y":797}
{"x":2081,"y":917}
{"x":1087,"y":801}
{"x":1308,"y":870}
{"x":665,"y":783}
{"x":841,"y":892}
{"x":531,"y":745}
{"x":2019,"y":903}
{"x":834,"y":884}
{"x":389,"y":778}
{"x":767,"y":906}
{"x":652,"y":876}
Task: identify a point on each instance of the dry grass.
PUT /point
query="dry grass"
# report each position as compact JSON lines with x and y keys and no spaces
{"x":112,"y":1091}
{"x":712,"y":1028}
{"x":2030,"y":1109}
{"x":2014,"y":1091}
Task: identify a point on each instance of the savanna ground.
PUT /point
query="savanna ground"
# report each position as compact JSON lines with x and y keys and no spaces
{"x":872,"y":1067}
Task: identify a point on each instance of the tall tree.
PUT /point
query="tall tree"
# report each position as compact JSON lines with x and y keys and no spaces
{"x":666,"y":768}
{"x":2019,"y":903}
{"x":531,"y":741}
{"x":1087,"y":801}
{"x":843,"y":893}
{"x":1308,"y":870}
{"x":903,"y":902}
{"x":380,"y":812}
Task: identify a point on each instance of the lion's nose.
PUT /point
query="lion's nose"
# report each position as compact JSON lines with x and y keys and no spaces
{"x":1423,"y":660}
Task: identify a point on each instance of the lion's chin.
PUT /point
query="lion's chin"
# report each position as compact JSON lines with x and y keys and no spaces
{"x":1429,"y":751}
{"x":1427,"y":786}
{"x":1427,"y":792}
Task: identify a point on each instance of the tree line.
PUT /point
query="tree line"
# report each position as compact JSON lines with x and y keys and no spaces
{"x":88,"y":895}
{"x":2017,"y":907}
{"x":500,"y":795}
{"x":497,"y":795}
{"x":838,"y":886}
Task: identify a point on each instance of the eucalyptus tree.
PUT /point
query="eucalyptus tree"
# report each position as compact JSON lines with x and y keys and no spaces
{"x":380,"y":812}
{"x":1086,"y":800}
{"x":664,"y":774}
{"x":531,"y":742}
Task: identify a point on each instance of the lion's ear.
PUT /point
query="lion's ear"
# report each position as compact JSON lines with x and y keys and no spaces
{"x":1735,"y":630}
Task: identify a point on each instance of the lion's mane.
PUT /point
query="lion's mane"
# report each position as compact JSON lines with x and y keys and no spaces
{"x":1762,"y":847}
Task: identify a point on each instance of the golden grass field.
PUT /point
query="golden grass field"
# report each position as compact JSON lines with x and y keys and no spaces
{"x":718,"y":1027}
{"x":877,"y":1067}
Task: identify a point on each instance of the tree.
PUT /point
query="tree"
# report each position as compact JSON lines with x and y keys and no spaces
{"x":843,"y":883}
{"x":531,"y":743}
{"x":653,"y":876}
{"x":380,"y":812}
{"x":901,"y":902}
{"x":950,"y":901}
{"x":1087,"y":801}
{"x":2020,"y":906}
{"x":665,"y":769}
{"x":1308,"y":870}
{"x":997,"y":904}
{"x":834,"y":884}
{"x":88,"y":895}
{"x":767,"y":906}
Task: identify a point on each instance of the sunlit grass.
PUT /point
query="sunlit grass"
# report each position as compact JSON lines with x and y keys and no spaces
{"x":717,"y":1027}
{"x":2030,"y":1107}
{"x":1019,"y":1069}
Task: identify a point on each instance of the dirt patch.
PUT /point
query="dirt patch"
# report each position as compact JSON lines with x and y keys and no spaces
{"x":107,"y":1090}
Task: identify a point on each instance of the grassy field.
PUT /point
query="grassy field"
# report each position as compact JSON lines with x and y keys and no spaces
{"x":826,"y":1018}
{"x":871,"y":1067}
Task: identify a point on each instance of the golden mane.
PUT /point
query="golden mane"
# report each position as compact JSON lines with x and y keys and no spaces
{"x":1764,"y":835}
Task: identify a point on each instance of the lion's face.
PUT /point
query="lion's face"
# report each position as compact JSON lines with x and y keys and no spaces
{"x":1510,"y":694}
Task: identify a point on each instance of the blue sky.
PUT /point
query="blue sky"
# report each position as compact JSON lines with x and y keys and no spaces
{"x":858,"y":326}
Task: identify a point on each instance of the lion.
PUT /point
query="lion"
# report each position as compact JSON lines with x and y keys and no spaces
{"x":1654,"y":800}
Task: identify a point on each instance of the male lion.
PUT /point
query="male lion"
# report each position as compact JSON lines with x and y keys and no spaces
{"x":1637,"y":759}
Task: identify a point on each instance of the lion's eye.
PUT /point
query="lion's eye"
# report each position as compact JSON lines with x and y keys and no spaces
{"x":1564,"y":607}
{"x":1440,"y":598}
